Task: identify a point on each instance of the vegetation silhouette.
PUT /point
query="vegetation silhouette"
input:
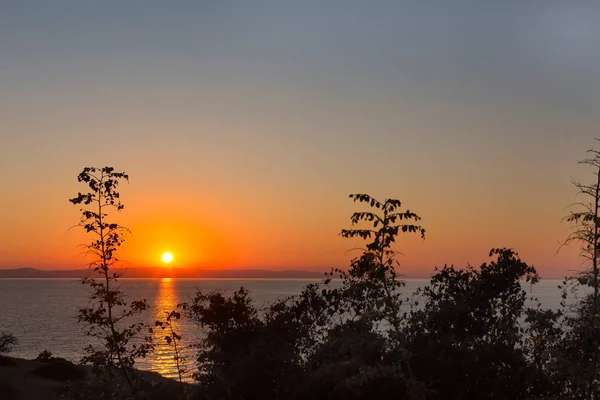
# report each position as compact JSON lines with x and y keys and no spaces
{"x":466,"y":340}
{"x":108,"y":314}
{"x":328,"y":342}
{"x":7,"y":341}
{"x":357,"y":341}
{"x":471,"y":333}
{"x":576,"y":346}
{"x":173,"y":338}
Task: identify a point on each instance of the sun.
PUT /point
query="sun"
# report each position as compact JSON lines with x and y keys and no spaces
{"x":167,"y":257}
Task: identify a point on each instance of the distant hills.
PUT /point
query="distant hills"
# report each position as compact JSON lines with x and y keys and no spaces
{"x":32,"y":273}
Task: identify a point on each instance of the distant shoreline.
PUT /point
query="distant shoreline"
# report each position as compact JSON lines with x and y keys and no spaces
{"x":159,"y":272}
{"x":142,"y":273}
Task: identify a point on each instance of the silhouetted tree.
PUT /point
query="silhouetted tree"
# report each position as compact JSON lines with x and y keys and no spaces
{"x":353,"y":363}
{"x":243,"y":356}
{"x":584,"y":215}
{"x":468,"y":335}
{"x":108,"y":312}
{"x":371,"y":288}
{"x":466,"y":340}
{"x":323,"y":343}
{"x":7,"y":341}
{"x":369,"y":300}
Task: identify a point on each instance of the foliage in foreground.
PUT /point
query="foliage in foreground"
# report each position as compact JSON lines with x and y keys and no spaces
{"x":464,"y":341}
{"x":470,"y":334}
{"x":107,"y":316}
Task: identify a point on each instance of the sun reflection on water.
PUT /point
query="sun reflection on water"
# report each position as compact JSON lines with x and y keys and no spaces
{"x":163,"y":358}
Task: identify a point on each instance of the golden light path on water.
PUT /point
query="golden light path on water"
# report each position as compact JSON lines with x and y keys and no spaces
{"x":163,"y":358}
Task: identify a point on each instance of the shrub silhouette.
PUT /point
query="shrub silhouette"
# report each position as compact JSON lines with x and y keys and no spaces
{"x":7,"y":341}
{"x":468,"y":334}
{"x":323,"y":343}
{"x":242,"y":355}
{"x":60,"y":370}
{"x":465,"y":341}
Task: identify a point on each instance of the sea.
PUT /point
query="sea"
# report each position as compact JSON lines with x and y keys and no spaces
{"x":42,"y":313}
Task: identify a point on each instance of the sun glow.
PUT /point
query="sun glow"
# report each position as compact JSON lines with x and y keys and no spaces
{"x":167,"y":258}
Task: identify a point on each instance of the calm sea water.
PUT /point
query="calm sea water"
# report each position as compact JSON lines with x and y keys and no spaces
{"x":42,"y":313}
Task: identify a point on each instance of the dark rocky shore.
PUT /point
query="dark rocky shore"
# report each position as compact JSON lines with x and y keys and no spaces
{"x":59,"y":379}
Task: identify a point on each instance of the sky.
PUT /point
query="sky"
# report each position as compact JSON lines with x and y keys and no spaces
{"x":244,"y":126}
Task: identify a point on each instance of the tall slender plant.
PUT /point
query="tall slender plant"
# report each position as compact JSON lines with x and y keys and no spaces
{"x":585,"y":217}
{"x":172,"y":338}
{"x":374,"y":273}
{"x":107,"y":317}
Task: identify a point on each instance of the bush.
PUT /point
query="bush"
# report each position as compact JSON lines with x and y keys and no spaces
{"x":60,"y":370}
{"x":7,"y":341}
{"x":44,"y":356}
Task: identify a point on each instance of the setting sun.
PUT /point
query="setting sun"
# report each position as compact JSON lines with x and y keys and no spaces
{"x":167,"y":257}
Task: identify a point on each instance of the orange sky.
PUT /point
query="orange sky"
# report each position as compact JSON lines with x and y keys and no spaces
{"x":245,"y":127}
{"x":207,"y":228}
